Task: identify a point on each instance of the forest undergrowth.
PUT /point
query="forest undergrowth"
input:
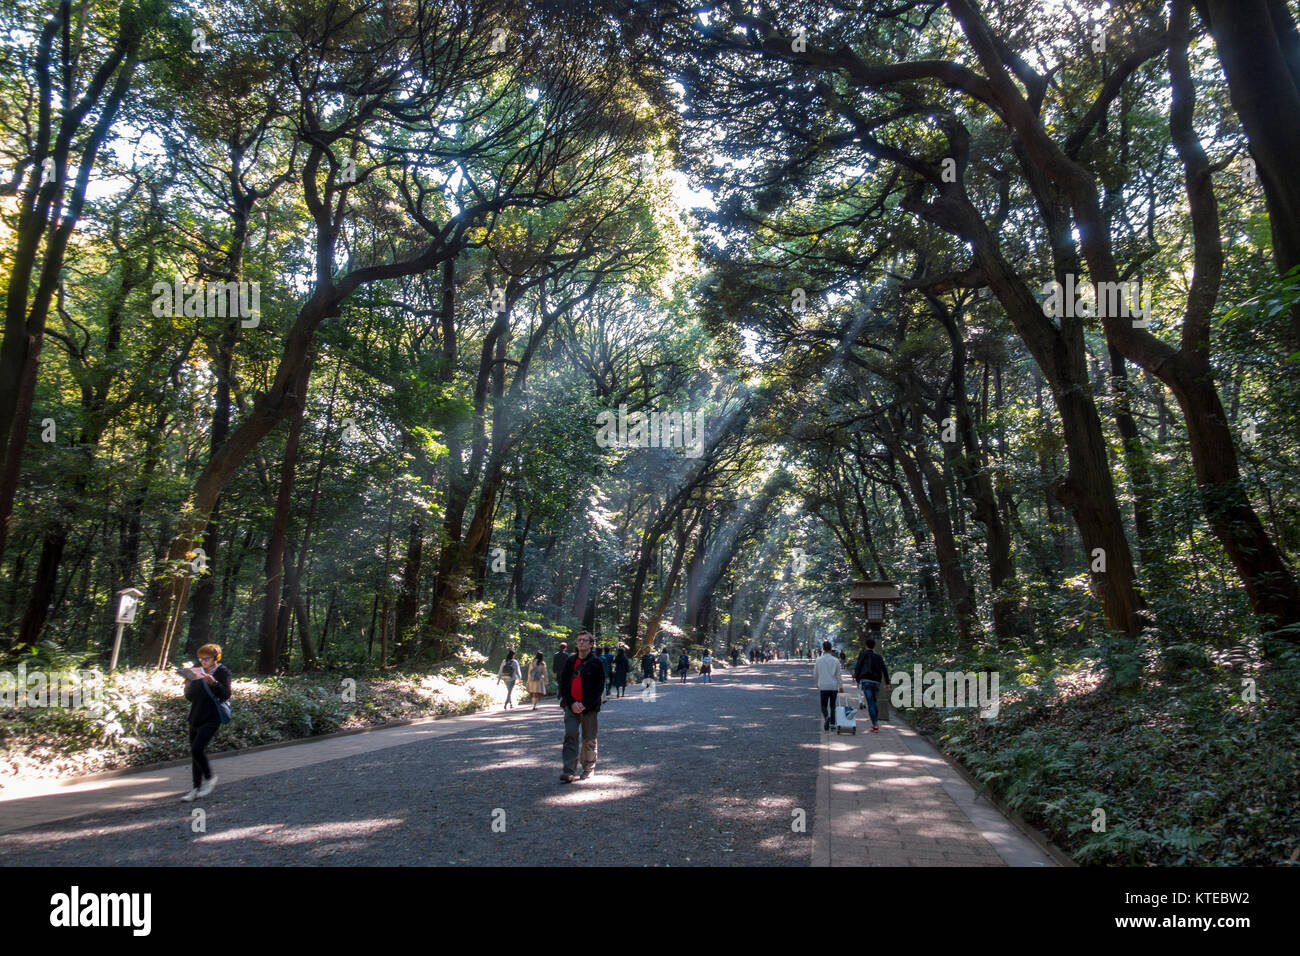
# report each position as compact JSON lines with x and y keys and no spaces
{"x":141,"y":718}
{"x":1189,"y":763}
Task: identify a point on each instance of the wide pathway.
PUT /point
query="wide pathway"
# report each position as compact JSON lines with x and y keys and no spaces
{"x":736,"y":772}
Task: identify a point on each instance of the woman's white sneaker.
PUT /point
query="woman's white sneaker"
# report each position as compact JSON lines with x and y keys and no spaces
{"x":189,"y":797}
{"x":207,"y":786}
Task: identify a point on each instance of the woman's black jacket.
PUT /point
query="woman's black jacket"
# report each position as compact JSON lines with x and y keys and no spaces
{"x":202,"y":709}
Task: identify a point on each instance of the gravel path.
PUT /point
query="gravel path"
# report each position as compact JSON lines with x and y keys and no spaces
{"x":704,"y":775}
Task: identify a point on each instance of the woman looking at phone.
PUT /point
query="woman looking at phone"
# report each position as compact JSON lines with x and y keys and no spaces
{"x":205,"y":685}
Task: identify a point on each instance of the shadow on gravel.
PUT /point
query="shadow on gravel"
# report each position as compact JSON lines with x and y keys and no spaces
{"x":691,"y":779}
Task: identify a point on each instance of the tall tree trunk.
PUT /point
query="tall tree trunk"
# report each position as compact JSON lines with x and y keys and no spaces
{"x":583,"y":590}
{"x":1136,"y":463}
{"x":517,"y":572}
{"x":1259,"y":49}
{"x":694,"y":623}
{"x":970,"y":466}
{"x":916,"y":527}
{"x":670,"y":583}
{"x":44,"y":227}
{"x":294,"y":579}
{"x":385,"y":588}
{"x":201,"y":609}
{"x":1273,"y":591}
{"x":933,"y":506}
{"x":408,"y":599}
{"x":1088,"y":489}
{"x":268,"y":656}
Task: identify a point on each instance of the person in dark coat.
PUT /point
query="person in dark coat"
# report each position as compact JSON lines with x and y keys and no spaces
{"x":582,"y":684}
{"x":557,"y":662}
{"x":648,"y":665}
{"x":621,"y":667}
{"x":607,"y":658}
{"x":870,"y":672}
{"x":204,"y":686}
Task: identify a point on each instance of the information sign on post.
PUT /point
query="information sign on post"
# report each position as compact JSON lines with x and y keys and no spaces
{"x":128,"y":602}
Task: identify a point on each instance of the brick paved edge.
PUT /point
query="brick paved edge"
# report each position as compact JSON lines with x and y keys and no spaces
{"x":1040,"y":838}
{"x":295,"y":741}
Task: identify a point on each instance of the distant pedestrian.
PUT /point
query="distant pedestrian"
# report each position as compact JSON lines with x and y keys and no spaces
{"x":621,"y":666}
{"x":683,"y":666}
{"x":870,"y":673}
{"x":735,"y":656}
{"x":557,"y":662}
{"x":205,"y":687}
{"x":827,"y":672}
{"x":509,"y":673}
{"x":648,"y":665}
{"x":607,"y":660}
{"x":706,"y":668}
{"x":537,"y":679}
{"x":664,"y":662}
{"x":581,"y":682}
{"x":844,"y":659}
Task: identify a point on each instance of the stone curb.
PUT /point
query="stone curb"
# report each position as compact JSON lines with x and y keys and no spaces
{"x":1044,"y":844}
{"x":185,"y":761}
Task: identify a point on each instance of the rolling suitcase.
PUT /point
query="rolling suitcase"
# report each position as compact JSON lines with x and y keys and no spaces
{"x":846,"y":716}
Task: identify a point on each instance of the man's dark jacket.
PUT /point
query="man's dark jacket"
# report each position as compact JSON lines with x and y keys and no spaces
{"x":592,"y":671}
{"x":557,"y":662}
{"x":870,"y":666}
{"x":202,"y":709}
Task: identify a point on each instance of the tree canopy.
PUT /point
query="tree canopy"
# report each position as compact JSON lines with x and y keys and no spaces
{"x":374,"y":331}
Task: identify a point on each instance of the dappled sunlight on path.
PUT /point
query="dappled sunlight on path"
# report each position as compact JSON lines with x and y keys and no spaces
{"x":735,"y":772}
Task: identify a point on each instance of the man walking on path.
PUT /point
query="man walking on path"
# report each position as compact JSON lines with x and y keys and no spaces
{"x":648,"y":665}
{"x":557,"y":664}
{"x":664,"y":661}
{"x":582,"y":683}
{"x":827,"y":671}
{"x":869,"y":673}
{"x":607,"y":659}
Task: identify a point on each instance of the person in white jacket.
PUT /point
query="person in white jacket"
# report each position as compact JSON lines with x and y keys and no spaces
{"x":829,"y":681}
{"x":510,"y":674}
